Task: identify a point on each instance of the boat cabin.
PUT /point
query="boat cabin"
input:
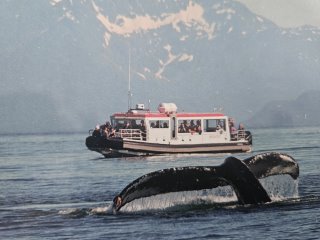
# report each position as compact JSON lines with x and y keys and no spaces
{"x":140,"y":131}
{"x":167,"y":126}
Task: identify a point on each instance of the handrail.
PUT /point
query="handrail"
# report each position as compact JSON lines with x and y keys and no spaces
{"x":239,"y":135}
{"x":132,"y":134}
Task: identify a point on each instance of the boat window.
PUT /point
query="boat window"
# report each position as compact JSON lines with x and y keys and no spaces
{"x":118,"y":124}
{"x":127,"y":123}
{"x":159,"y":123}
{"x":212,"y":125}
{"x":189,"y":125}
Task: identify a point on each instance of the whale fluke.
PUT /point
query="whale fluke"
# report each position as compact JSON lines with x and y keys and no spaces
{"x":241,"y":175}
{"x":271,"y":163}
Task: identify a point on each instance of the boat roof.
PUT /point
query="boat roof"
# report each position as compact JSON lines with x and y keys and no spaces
{"x":145,"y":114}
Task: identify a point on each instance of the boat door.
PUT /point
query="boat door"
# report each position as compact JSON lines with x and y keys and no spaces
{"x":173,"y":125}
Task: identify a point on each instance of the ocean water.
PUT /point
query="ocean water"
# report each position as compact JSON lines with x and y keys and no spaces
{"x":52,"y":187}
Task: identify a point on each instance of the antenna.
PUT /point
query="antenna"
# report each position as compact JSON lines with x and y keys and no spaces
{"x":129,"y":81}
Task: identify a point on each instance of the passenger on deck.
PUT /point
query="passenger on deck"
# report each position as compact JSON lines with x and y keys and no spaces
{"x":182,"y":128}
{"x":106,"y":128}
{"x":105,"y":132}
{"x":96,"y":131}
{"x":102,"y":129}
{"x":186,"y":126}
{"x":112,"y":132}
{"x":241,"y":126}
{"x":192,"y":126}
{"x":134,"y":124}
{"x":127,"y":125}
{"x":108,"y":125}
{"x":142,"y":126}
{"x":233,"y":132}
{"x":198,"y":126}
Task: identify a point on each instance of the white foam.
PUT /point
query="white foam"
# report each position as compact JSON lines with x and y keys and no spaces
{"x":68,"y":211}
{"x":102,"y":210}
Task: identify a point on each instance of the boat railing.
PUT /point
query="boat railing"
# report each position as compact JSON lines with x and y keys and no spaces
{"x":239,"y":135}
{"x":132,"y":134}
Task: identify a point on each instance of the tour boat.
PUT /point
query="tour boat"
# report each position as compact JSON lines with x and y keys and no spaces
{"x":141,"y":132}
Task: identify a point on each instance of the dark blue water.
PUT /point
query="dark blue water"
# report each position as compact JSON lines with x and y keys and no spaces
{"x":51,"y":186}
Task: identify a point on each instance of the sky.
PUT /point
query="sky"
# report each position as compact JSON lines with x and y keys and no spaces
{"x":287,"y":13}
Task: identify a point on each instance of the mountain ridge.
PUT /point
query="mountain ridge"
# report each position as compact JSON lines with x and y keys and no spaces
{"x":302,"y":111}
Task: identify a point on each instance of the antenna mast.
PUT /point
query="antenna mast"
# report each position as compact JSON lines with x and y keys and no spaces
{"x":129,"y":81}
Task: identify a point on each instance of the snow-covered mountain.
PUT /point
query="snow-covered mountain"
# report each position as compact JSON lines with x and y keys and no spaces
{"x":199,"y":54}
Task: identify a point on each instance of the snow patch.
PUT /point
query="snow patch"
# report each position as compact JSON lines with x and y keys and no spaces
{"x":259,"y":19}
{"x":183,"y":38}
{"x":55,"y":2}
{"x":226,"y":10}
{"x":141,"y":75}
{"x":185,"y":57}
{"x":192,"y":16}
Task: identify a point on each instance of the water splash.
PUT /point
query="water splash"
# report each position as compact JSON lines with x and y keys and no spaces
{"x":102,"y":210}
{"x":280,"y":187}
{"x":164,"y":201}
{"x":80,"y":212}
{"x":73,"y":212}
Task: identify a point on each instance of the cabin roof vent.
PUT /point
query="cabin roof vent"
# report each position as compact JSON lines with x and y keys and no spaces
{"x":140,"y":106}
{"x":167,"y":108}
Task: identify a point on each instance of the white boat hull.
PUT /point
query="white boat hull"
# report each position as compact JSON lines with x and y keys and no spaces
{"x":186,"y":148}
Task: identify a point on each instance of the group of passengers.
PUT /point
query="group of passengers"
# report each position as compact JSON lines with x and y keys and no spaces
{"x":107,"y":130}
{"x":159,"y":124}
{"x":190,"y":126}
{"x":132,"y":125}
{"x":104,"y":130}
{"x":233,"y":130}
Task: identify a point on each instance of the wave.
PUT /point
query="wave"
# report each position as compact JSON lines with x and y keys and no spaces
{"x":18,"y":180}
{"x":288,"y":149}
{"x":196,"y":205}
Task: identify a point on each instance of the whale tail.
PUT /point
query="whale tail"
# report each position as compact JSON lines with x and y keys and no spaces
{"x":242,"y":176}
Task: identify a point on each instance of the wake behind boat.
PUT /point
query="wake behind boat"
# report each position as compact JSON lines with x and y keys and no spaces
{"x":141,"y":132}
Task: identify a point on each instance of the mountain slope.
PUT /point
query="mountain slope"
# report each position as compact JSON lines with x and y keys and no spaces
{"x":302,"y":111}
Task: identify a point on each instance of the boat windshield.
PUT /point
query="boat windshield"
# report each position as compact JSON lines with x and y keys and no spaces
{"x":127,"y":123}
